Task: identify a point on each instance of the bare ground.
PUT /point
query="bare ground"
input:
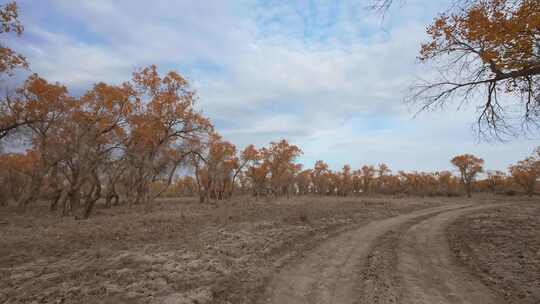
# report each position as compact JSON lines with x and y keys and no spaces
{"x":329,"y":273}
{"x":501,"y":247}
{"x":340,"y":250}
{"x":181,"y":252}
{"x":404,"y":259}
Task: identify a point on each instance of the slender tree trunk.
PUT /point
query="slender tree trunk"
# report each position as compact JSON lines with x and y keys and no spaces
{"x":90,"y":198}
{"x":108,"y":200}
{"x":74,"y":199}
{"x":111,"y":194}
{"x":56,"y":199}
{"x":65,"y":205}
{"x":94,"y":196}
{"x":30,"y":194}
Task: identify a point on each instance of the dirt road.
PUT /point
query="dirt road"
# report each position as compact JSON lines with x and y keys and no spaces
{"x":404,"y":259}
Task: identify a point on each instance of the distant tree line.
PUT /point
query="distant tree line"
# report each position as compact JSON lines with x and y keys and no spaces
{"x":257,"y":180}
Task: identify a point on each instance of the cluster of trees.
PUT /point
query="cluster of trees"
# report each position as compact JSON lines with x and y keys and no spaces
{"x":219,"y":169}
{"x":527,"y":172}
{"x":114,"y":141}
{"x":127,"y":143}
{"x":114,"y":138}
{"x":76,"y":167}
{"x":82,"y":149}
{"x":256,"y":179}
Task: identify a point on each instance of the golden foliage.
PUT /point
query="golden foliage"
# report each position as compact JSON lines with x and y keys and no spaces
{"x":9,"y":22}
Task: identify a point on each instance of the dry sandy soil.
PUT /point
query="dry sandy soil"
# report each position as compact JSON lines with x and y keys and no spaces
{"x":403,"y":259}
{"x":303,"y":250}
{"x":501,"y":246}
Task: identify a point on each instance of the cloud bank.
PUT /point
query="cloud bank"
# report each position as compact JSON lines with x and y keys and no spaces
{"x":327,"y":75}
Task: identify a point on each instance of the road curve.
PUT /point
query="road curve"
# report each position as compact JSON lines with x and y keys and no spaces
{"x":427,"y":270}
{"x":329,"y":273}
{"x":334,"y":272}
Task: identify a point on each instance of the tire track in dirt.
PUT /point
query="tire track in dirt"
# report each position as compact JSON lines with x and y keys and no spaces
{"x":427,"y":270}
{"x":330,"y":273}
{"x":412,"y":263}
{"x":379,"y":282}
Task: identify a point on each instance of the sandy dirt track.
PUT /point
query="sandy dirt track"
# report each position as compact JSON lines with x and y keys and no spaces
{"x":404,"y":259}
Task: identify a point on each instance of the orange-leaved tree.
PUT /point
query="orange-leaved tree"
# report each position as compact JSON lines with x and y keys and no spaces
{"x":44,"y":107}
{"x":257,"y":173}
{"x":9,"y":22}
{"x":526,"y":173}
{"x":319,"y":177}
{"x":496,"y":180}
{"x":9,"y":61}
{"x":16,"y":173}
{"x":161,"y":128}
{"x":303,"y":181}
{"x":90,"y":139}
{"x":469,"y":166}
{"x":367,"y":177}
{"x":489,"y":50}
{"x":215,"y":164}
{"x":383,"y":183}
{"x":345,"y":184}
{"x":281,"y":157}
{"x":247,"y":156}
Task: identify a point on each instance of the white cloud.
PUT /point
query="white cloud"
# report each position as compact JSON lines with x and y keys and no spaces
{"x":316,"y":78}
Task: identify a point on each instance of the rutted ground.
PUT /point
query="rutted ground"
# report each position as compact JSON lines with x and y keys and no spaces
{"x":329,"y":274}
{"x":307,"y":250}
{"x":181,"y":252}
{"x":404,"y":259}
{"x":501,"y":246}
{"x":426,"y":268}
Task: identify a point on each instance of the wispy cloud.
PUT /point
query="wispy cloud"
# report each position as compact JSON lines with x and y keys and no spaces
{"x":330,"y":76}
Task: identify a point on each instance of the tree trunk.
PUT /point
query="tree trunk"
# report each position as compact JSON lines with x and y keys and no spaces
{"x":65,"y":205}
{"x":111,"y":194}
{"x":92,"y":198}
{"x":89,"y":204}
{"x":24,"y":200}
{"x":74,"y":200}
{"x":108,"y":199}
{"x":30,"y":194}
{"x":116,"y":199}
{"x":57,"y":198}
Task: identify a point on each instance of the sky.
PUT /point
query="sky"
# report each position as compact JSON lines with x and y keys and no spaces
{"x":329,"y":76}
